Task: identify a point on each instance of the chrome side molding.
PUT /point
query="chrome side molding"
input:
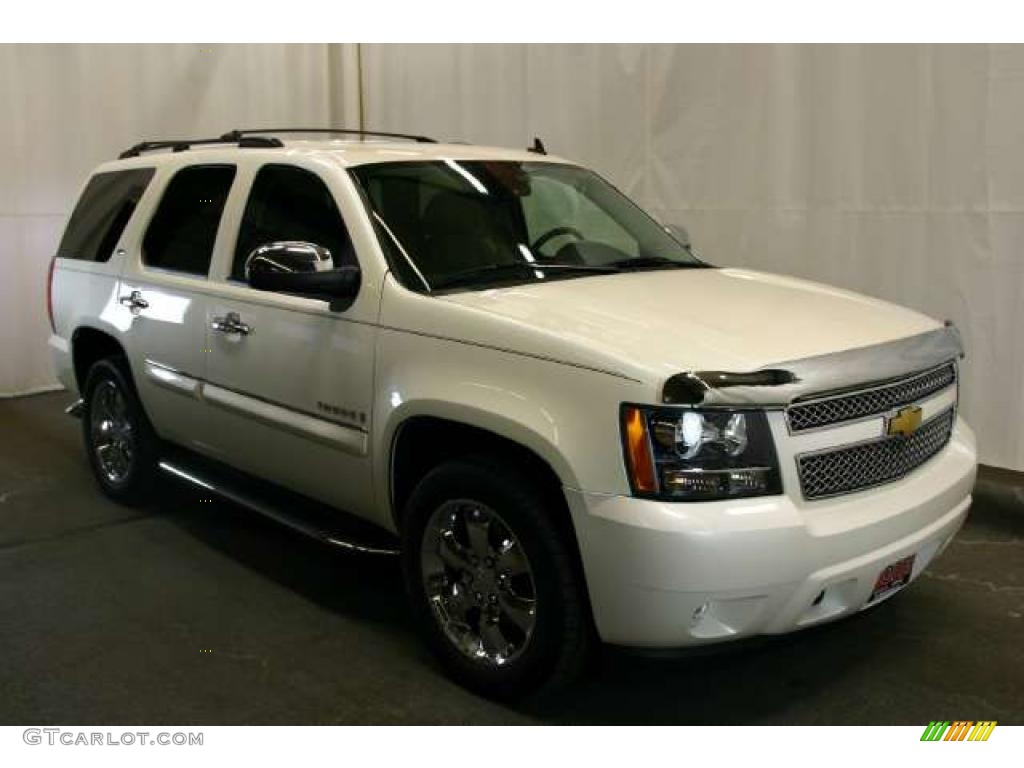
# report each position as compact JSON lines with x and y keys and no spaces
{"x":76,"y":409}
{"x":341,"y":436}
{"x":169,"y":378}
{"x":346,"y":437}
{"x":783,"y":383}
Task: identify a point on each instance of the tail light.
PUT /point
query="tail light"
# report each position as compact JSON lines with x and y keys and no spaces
{"x":49,"y":294}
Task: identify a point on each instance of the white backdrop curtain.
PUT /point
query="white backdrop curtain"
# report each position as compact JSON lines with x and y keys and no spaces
{"x":893,"y":170}
{"x":897,"y":171}
{"x":67,"y":108}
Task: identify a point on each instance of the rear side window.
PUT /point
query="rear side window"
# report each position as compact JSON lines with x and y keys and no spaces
{"x":183,"y":230}
{"x":291,"y":203}
{"x":102,"y":213}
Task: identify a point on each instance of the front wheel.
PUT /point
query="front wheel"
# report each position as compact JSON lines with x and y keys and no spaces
{"x":495,"y":588}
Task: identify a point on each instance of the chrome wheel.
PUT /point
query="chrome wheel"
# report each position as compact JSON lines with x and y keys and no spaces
{"x":110,"y":428}
{"x":478,"y":582}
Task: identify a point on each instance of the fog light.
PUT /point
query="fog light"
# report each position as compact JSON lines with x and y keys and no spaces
{"x":720,"y":483}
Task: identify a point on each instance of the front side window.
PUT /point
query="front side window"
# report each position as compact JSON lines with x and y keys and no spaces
{"x":183,"y":231}
{"x":470,"y":224}
{"x":102,"y":213}
{"x":288,"y":203}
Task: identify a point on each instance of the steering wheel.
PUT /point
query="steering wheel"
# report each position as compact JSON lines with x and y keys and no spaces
{"x":553,"y":233}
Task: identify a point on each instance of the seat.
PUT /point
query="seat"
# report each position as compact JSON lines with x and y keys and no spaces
{"x":461,"y":232}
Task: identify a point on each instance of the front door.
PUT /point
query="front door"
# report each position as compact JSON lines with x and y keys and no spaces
{"x":289,"y":381}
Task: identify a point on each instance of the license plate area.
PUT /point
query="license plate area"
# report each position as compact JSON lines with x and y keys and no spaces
{"x":893,"y":577}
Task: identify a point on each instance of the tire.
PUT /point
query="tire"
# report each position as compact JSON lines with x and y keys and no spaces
{"x":524,"y":653}
{"x":113,"y":416}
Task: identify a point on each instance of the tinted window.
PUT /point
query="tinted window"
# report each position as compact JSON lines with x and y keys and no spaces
{"x":471,"y":223}
{"x":183,"y":231}
{"x":289,"y":203}
{"x":102,"y":213}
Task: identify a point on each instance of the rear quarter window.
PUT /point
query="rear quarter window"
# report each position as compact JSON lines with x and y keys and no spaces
{"x":103,"y":211}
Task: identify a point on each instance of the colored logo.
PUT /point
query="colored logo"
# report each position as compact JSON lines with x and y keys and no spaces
{"x":959,"y":730}
{"x":905,"y":422}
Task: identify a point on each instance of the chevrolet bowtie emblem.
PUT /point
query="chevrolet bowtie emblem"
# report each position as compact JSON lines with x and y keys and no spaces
{"x":905,"y":422}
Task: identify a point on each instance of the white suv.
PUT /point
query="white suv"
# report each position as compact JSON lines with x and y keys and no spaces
{"x":569,"y":425}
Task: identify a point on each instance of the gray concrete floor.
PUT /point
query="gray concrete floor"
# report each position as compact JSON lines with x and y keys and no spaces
{"x":196,"y":612}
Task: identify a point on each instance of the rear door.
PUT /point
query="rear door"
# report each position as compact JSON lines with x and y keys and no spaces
{"x":162,"y":302}
{"x":85,"y":269}
{"x":290,"y":399}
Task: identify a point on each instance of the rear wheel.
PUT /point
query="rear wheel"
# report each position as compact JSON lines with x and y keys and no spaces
{"x":493,"y":583}
{"x":119,"y":440}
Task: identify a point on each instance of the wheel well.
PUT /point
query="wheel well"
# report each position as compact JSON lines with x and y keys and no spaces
{"x":424,"y":442}
{"x":87,"y":347}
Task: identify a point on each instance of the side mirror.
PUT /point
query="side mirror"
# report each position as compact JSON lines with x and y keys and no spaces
{"x":678,"y":231}
{"x":301,"y":268}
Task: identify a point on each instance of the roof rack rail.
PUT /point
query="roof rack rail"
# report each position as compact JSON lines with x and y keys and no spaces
{"x":180,"y":145}
{"x":240,"y":133}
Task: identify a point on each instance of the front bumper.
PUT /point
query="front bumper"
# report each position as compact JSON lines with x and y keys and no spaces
{"x":663,"y":574}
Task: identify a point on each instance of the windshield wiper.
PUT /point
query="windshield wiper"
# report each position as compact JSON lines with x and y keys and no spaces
{"x":486,"y":271}
{"x":653,"y":262}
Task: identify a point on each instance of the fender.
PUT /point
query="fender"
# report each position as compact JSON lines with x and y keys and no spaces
{"x":523,"y":428}
{"x":566,"y":415}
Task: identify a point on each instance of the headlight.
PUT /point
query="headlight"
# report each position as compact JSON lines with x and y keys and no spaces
{"x":699,"y":455}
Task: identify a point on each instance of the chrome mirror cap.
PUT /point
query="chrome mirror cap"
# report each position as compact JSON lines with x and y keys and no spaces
{"x":288,"y":256}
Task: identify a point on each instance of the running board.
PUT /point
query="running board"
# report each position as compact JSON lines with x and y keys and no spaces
{"x":317,"y":521}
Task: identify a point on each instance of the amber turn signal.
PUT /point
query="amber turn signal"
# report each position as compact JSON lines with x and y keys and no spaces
{"x":638,"y":451}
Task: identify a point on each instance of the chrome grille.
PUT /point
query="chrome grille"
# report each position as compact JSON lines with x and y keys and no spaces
{"x":844,"y":470}
{"x":869,"y":402}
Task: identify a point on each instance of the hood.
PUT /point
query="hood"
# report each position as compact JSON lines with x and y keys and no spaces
{"x":650,"y":325}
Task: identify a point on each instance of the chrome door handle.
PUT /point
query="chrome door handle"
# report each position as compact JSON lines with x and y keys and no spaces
{"x":134,"y":300}
{"x":230,"y":323}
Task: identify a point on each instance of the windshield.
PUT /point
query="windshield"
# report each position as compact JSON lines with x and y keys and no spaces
{"x":471,"y":224}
